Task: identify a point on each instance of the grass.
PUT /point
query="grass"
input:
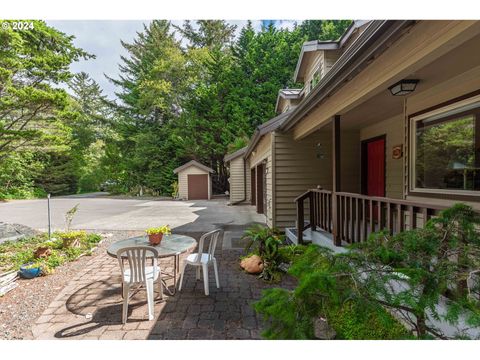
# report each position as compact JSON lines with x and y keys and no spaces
{"x":13,"y":254}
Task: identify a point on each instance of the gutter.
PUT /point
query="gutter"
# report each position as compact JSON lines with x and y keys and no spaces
{"x":377,"y":34}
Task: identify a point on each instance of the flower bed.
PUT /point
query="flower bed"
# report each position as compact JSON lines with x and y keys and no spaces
{"x":14,"y":254}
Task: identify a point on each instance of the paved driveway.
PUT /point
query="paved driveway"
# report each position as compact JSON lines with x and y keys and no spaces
{"x":100,"y":212}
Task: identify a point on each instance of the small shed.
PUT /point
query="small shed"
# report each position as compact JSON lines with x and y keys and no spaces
{"x":194,"y":181}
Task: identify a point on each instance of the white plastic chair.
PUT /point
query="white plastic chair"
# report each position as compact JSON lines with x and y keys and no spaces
{"x":138,"y":273}
{"x":202,"y":260}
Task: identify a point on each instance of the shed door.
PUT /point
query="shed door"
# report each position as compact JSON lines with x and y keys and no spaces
{"x":197,"y":187}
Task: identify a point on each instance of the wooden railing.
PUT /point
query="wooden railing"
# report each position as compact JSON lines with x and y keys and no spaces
{"x":360,"y":215}
{"x":353,"y":217}
{"x":319,"y":211}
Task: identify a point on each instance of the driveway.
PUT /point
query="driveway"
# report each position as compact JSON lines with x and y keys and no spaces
{"x":100,"y":212}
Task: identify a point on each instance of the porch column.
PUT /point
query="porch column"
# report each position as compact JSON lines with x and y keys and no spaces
{"x":336,"y":178}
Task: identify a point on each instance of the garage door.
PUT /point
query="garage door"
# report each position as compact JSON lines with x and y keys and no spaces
{"x":197,"y":187}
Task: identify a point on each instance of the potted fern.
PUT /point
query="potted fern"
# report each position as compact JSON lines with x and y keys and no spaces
{"x":155,"y":234}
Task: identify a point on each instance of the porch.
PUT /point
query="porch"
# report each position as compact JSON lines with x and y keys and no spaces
{"x":369,"y":174}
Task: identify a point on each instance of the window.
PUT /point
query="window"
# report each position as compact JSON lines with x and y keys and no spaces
{"x":315,"y":79}
{"x":446,"y":147}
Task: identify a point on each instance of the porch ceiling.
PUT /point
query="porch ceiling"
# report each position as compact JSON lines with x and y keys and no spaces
{"x":384,"y":106}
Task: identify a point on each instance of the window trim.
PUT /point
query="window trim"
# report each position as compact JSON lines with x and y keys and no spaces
{"x":454,"y":108}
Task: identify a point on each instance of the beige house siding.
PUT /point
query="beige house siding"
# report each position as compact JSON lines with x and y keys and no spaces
{"x":350,"y":160}
{"x":183,"y":181}
{"x":298,"y":169}
{"x":331,"y":57}
{"x":269,"y":192}
{"x":316,"y":62}
{"x":249,"y":181}
{"x":287,"y":104}
{"x":263,"y":152}
{"x":394,"y":130}
{"x":237,"y":180}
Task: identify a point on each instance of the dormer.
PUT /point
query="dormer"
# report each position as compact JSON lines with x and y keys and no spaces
{"x":287,"y":99}
{"x":317,"y":57}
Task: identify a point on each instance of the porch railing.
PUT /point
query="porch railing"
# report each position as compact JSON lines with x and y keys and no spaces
{"x":319,"y":211}
{"x":354,"y":216}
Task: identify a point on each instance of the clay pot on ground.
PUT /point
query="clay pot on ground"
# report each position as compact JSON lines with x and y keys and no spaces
{"x":155,"y":239}
{"x":42,"y":252}
{"x":71,"y":243}
{"x":252,"y":264}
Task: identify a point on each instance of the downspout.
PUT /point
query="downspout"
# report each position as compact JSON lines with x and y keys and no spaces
{"x":244,"y":184}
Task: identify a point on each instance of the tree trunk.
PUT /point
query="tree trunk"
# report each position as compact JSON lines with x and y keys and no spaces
{"x":421,"y":325}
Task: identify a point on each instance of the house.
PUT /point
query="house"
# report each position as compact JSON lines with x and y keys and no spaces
{"x":262,"y":177}
{"x":239,"y":182}
{"x":194,"y":181}
{"x":383,"y":137}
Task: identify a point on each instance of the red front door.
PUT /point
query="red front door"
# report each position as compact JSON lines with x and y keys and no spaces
{"x":375,"y":168}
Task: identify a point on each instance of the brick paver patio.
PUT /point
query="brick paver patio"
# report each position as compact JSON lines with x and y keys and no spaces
{"x":90,"y":306}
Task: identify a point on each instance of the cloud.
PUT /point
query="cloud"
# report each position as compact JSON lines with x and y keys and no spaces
{"x":102,"y":38}
{"x":285,"y":24}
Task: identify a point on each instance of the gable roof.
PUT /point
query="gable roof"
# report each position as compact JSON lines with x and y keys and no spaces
{"x":235,"y":154}
{"x":266,"y":127}
{"x":288,"y":94}
{"x":193,"y":163}
{"x":370,"y":42}
{"x":316,"y":45}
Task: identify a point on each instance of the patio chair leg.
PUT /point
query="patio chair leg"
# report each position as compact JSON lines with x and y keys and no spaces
{"x":198,"y":273}
{"x":149,"y":285}
{"x":181,"y":277}
{"x":216,"y":273}
{"x":205,"y":278}
{"x":125,"y":293}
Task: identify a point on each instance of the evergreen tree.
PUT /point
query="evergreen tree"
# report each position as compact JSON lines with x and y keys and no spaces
{"x":207,"y":33}
{"x":151,"y":83}
{"x":33,"y":110}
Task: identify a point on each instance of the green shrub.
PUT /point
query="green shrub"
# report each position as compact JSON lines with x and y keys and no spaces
{"x":265,"y":242}
{"x":324,"y":289}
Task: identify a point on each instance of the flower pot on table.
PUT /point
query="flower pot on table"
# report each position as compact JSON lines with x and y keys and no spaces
{"x":155,"y":239}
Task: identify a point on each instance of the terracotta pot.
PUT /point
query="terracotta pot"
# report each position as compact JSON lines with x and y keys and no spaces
{"x":155,"y":239}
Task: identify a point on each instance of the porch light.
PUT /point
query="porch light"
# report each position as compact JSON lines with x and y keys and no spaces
{"x":403,"y":87}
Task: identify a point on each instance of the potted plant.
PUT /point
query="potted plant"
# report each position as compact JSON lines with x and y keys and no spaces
{"x":155,"y":234}
{"x":30,"y":270}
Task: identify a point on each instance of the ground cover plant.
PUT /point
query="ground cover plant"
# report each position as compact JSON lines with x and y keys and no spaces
{"x":14,"y":254}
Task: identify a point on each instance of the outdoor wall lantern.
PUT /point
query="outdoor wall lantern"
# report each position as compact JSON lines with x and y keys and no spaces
{"x":403,"y":87}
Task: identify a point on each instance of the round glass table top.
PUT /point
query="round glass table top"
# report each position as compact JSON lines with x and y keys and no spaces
{"x":170,"y":245}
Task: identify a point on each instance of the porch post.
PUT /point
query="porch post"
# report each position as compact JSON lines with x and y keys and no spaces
{"x":336,"y":178}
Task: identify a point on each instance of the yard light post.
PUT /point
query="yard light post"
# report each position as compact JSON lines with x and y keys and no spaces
{"x":49,"y":218}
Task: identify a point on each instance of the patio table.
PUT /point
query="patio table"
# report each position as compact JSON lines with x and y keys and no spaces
{"x":171,"y":246}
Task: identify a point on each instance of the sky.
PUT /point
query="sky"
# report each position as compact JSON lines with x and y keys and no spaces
{"x":102,"y":38}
